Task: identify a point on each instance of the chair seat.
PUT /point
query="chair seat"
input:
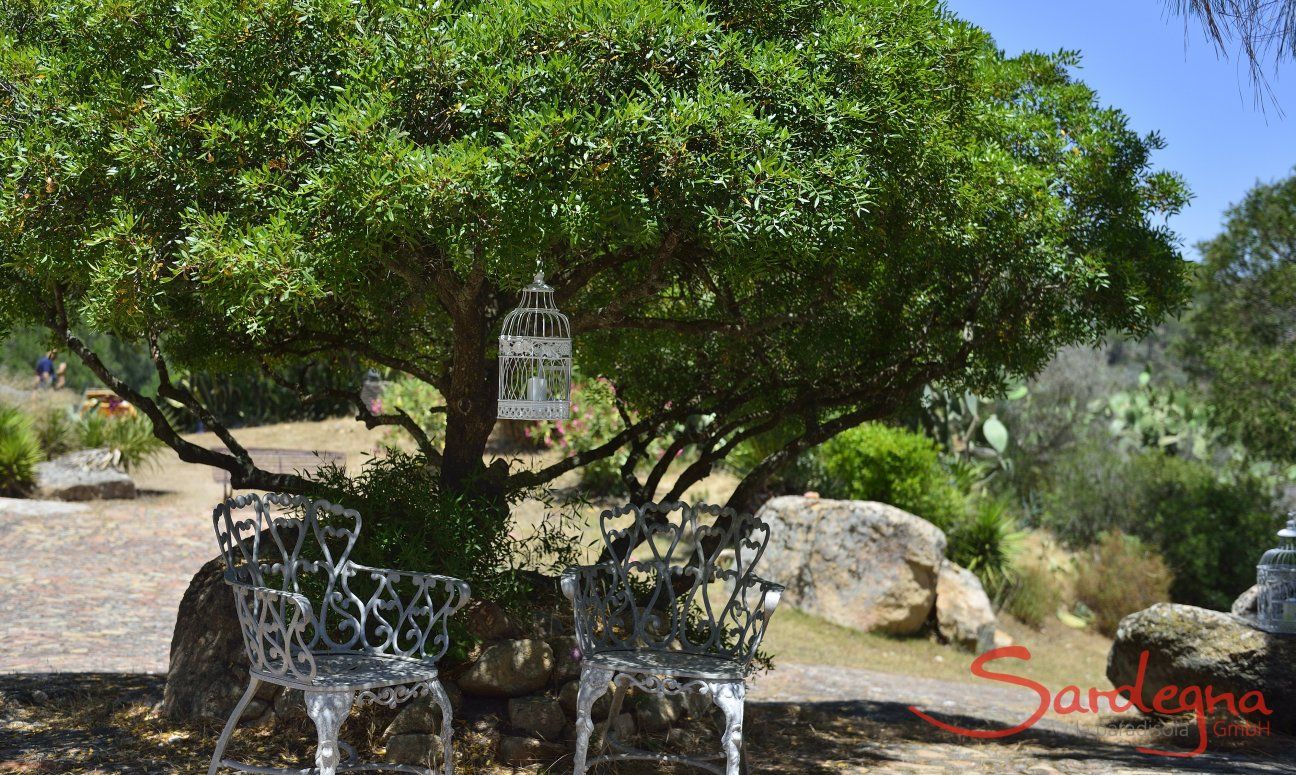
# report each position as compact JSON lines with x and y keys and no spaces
{"x":360,"y":671}
{"x":672,"y":663}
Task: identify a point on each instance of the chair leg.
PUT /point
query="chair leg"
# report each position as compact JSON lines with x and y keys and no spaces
{"x":328,"y":710}
{"x":618,"y":697}
{"x":593,"y":684}
{"x":729,"y":696}
{"x":447,"y":716}
{"x":228,"y":731}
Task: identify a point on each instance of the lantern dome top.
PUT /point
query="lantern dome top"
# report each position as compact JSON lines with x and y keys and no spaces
{"x":1290,"y":530}
{"x":536,"y":316}
{"x":1283,"y":555}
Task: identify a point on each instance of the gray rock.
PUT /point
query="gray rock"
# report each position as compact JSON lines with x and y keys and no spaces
{"x":698,"y":705}
{"x":537,"y":716}
{"x":859,"y":564}
{"x":528,"y":750}
{"x":290,"y":705}
{"x":623,"y":726}
{"x":1189,"y":646}
{"x":1246,"y":603}
{"x":566,"y":665}
{"x":423,"y":714}
{"x":656,"y":712}
{"x":208,"y":671}
{"x":510,"y":668}
{"x":964,"y":615}
{"x":420,"y":749}
{"x":90,"y":474}
{"x":488,"y":622}
{"x":567,"y":696}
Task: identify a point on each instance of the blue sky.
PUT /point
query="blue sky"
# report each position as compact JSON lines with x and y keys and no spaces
{"x":1137,"y":57}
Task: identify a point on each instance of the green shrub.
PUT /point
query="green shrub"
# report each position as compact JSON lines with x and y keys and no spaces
{"x":1210,"y":523}
{"x":1121,"y":575}
{"x":1034,"y":595}
{"x":19,"y":453}
{"x":420,"y":401}
{"x":56,"y":431}
{"x":985,"y":542}
{"x":1211,"y":526}
{"x":409,"y":523}
{"x":131,"y":437}
{"x":892,"y":465}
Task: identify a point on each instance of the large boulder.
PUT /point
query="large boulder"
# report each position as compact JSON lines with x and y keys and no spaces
{"x":209,"y":668}
{"x":510,"y":668}
{"x":90,"y":474}
{"x":964,"y":615}
{"x":1189,"y":646}
{"x":860,"y":564}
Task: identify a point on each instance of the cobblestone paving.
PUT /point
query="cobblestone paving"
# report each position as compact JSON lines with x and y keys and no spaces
{"x":95,"y":589}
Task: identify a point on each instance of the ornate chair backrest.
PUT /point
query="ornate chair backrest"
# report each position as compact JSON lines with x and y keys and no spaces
{"x":680,"y":577}
{"x":294,"y":544}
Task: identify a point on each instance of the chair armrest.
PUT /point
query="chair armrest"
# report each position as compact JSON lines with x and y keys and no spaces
{"x":593,"y":591}
{"x":277,"y":627}
{"x":410,"y":611}
{"x":754,"y":604}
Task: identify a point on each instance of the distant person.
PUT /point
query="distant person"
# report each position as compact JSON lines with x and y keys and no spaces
{"x":60,"y":375}
{"x":45,"y":370}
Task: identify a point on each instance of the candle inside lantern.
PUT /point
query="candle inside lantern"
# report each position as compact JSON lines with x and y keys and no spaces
{"x":537,"y":389}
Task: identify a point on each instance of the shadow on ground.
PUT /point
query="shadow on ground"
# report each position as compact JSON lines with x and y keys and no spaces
{"x":93,"y":723}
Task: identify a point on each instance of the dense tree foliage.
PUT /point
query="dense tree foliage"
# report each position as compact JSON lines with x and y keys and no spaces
{"x":764,"y":217}
{"x":1242,"y":334}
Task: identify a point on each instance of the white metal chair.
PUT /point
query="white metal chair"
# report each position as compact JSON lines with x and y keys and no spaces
{"x":676,"y":609}
{"x":339,"y":631}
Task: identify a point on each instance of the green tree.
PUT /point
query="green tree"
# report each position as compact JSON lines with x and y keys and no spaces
{"x":778,"y":215}
{"x":1241,"y":338}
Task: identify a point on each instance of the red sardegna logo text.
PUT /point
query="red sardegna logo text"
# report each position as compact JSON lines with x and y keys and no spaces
{"x":1170,"y":700}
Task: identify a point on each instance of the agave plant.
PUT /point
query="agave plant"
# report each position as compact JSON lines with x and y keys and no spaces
{"x":20,"y":451}
{"x":130,"y":437}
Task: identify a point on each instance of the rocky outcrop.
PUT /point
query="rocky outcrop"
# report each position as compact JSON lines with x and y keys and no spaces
{"x":90,"y":474}
{"x":1189,"y":646}
{"x":859,"y":564}
{"x":964,"y":615}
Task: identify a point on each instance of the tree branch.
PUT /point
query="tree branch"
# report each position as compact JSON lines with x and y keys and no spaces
{"x":243,"y":473}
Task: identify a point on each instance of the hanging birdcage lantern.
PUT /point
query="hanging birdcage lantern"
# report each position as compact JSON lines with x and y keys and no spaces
{"x":535,"y":358}
{"x":1276,"y":578}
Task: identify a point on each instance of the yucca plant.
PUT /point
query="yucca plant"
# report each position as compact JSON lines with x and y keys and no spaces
{"x":985,"y":541}
{"x":131,"y":437}
{"x":19,"y":453}
{"x":56,"y":432}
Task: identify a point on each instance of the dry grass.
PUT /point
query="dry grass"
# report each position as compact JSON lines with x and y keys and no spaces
{"x":1060,"y":656}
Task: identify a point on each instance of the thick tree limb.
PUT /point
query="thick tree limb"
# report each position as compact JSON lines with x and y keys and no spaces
{"x":243,"y":473}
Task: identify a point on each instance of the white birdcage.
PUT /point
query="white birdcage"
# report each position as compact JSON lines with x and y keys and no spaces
{"x":1276,"y":578}
{"x":535,"y":358}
